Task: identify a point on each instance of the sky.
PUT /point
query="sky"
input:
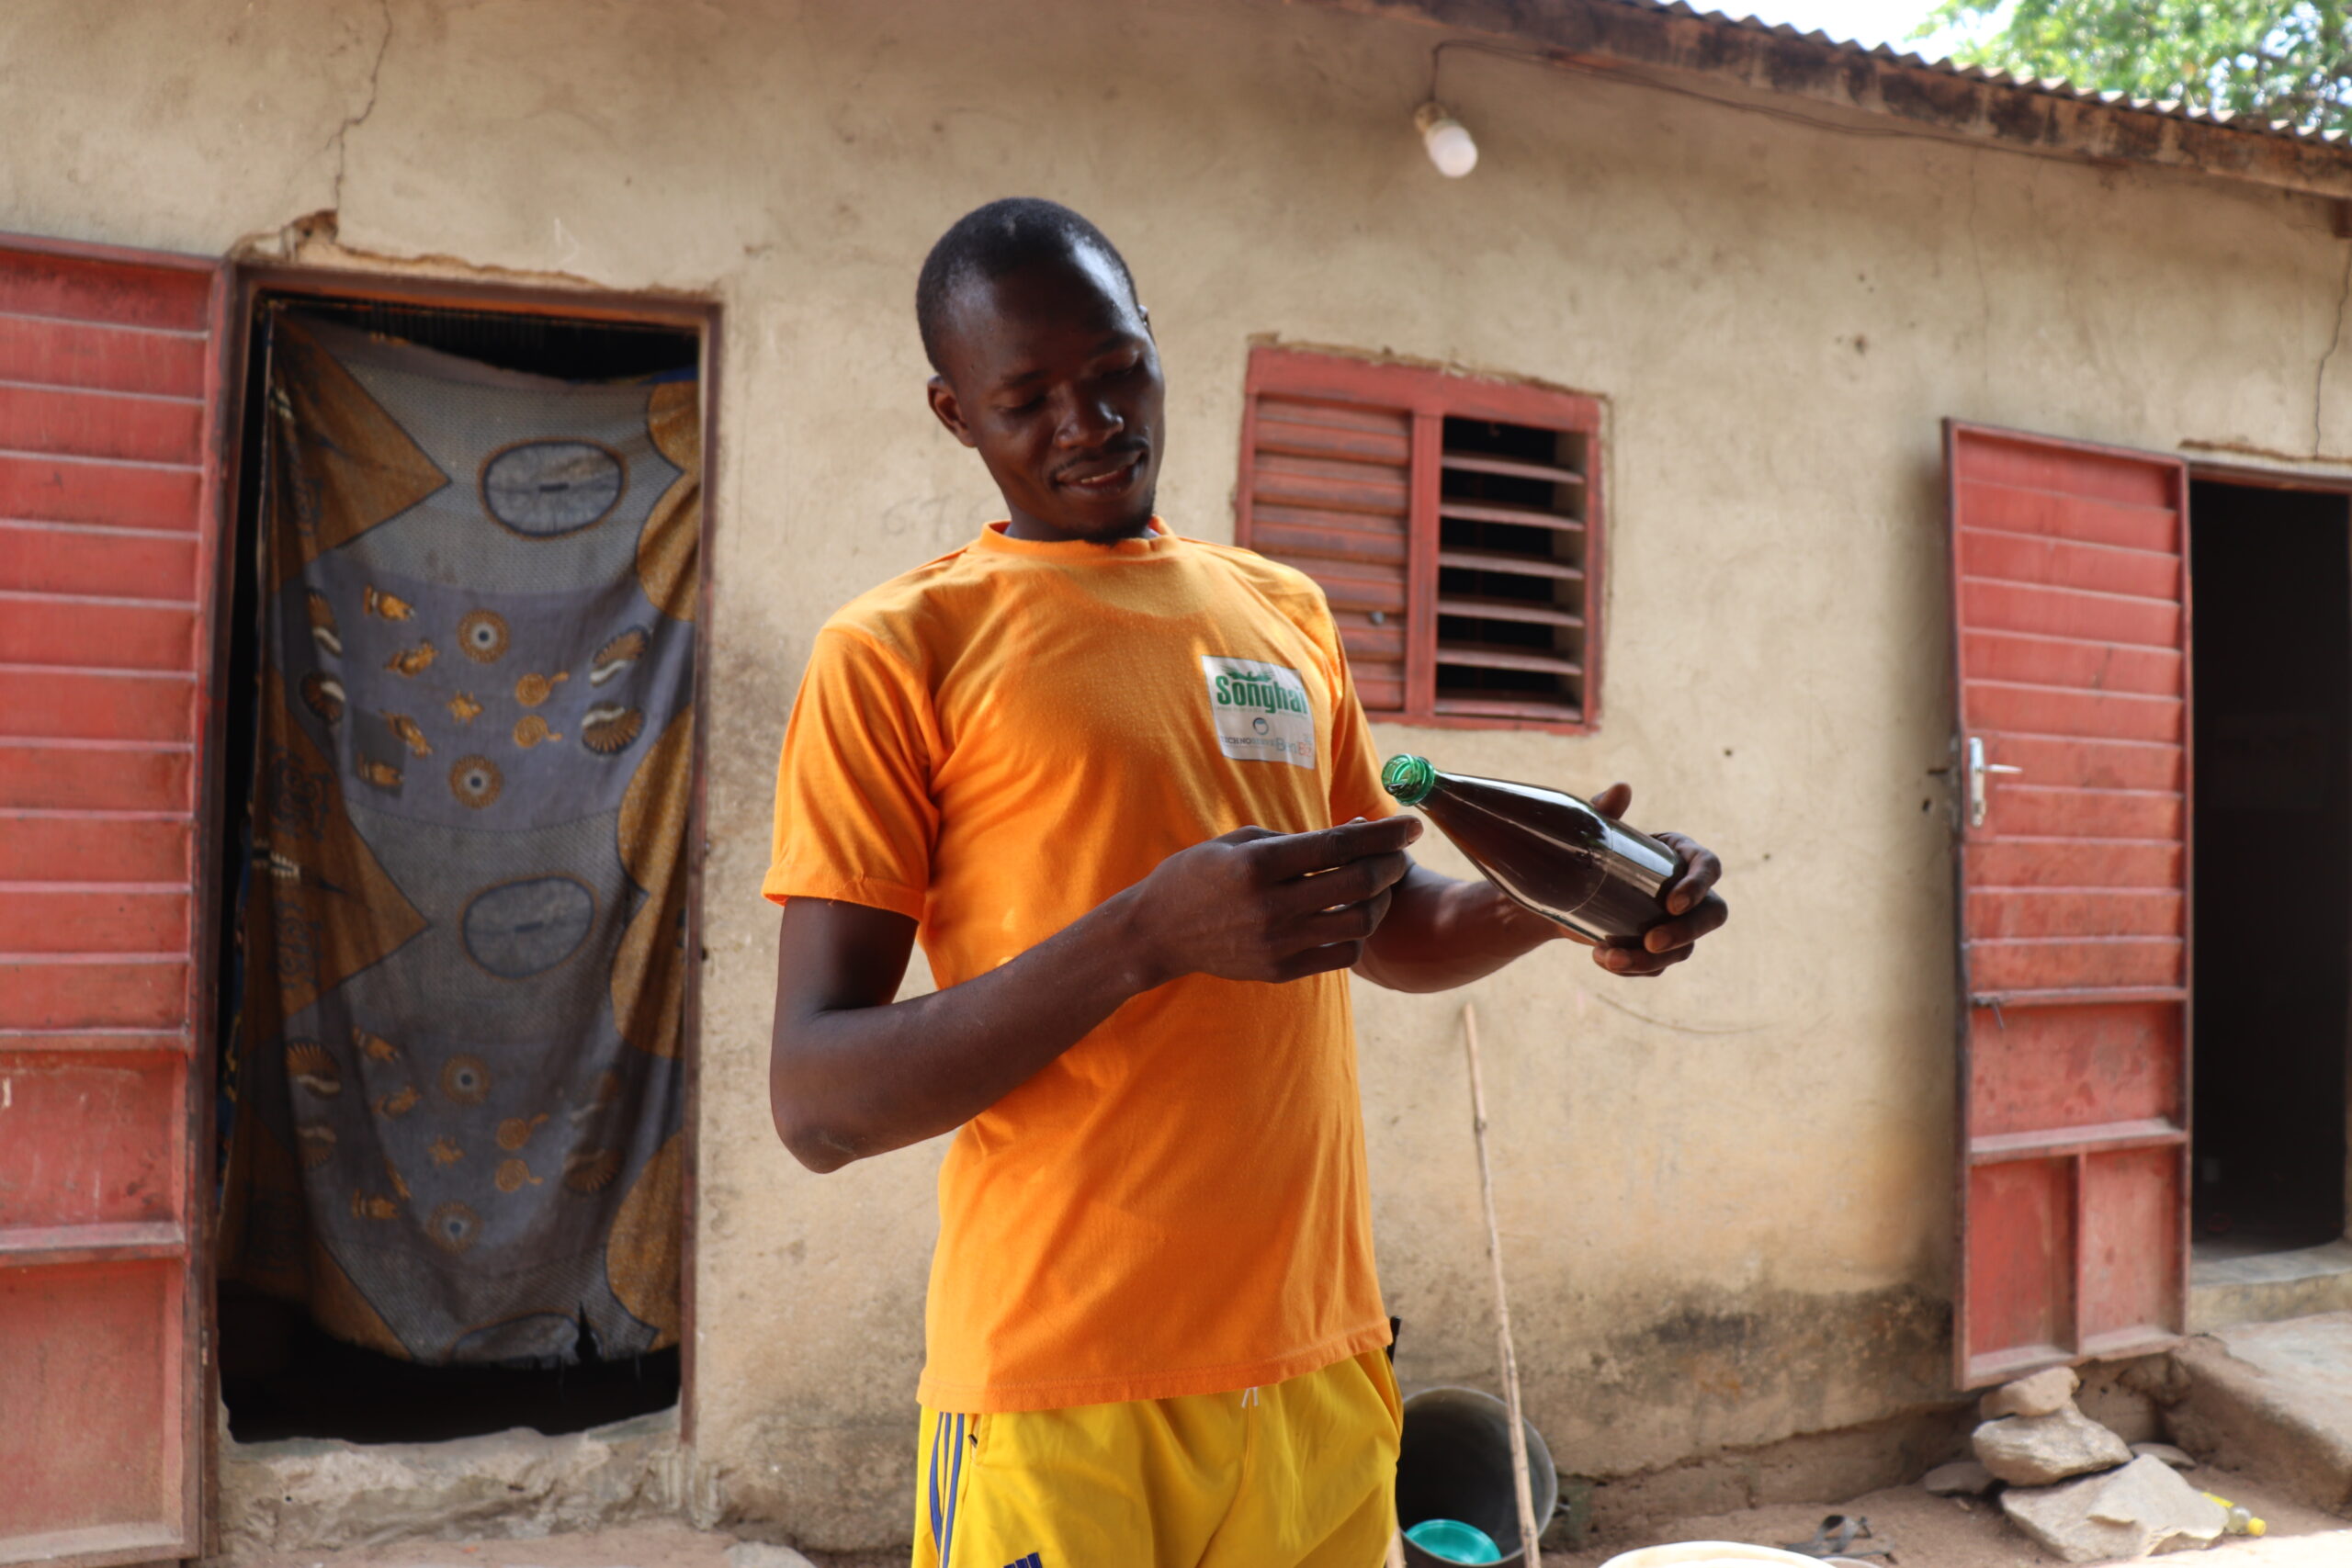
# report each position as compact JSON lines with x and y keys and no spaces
{"x":1859,"y":21}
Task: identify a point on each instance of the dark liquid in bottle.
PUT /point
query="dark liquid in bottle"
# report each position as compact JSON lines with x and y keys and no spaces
{"x":1554,"y":853}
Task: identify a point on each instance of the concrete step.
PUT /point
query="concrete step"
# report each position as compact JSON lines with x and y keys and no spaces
{"x":2269,"y":1287}
{"x":2273,"y":1400}
{"x":322,"y":1494}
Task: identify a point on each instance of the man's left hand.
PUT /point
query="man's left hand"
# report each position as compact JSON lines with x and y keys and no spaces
{"x":1690,"y":898}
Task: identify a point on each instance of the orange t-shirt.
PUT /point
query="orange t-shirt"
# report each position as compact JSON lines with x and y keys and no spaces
{"x":993,"y":744}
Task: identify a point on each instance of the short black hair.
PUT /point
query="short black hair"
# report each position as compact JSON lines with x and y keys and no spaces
{"x":989,"y":241}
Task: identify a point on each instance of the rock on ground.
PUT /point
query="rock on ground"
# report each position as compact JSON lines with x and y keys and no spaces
{"x":2044,"y":1393}
{"x":2143,"y":1508}
{"x":759,"y":1554}
{"x":1961,"y":1478}
{"x":2165,"y":1452}
{"x":2035,"y":1450}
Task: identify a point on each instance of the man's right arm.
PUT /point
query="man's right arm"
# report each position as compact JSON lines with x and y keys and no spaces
{"x":852,"y":1072}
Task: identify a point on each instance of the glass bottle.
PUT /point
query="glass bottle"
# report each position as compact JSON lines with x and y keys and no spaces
{"x":1546,"y":848}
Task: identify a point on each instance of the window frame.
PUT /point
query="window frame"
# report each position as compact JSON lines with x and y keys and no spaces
{"x":1428,"y":395}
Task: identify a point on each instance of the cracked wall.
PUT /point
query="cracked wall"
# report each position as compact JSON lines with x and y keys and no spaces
{"x":1724,"y":1195}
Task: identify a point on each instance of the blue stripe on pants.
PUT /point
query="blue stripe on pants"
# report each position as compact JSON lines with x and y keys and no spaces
{"x":955,"y":1475}
{"x":938,"y":1425}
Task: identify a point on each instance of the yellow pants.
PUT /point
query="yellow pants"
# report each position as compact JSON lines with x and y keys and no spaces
{"x":1300,"y":1474}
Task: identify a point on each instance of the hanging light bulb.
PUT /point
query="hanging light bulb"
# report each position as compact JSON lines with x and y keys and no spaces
{"x":1446,"y":139}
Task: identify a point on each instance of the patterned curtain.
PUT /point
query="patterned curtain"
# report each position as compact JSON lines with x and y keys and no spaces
{"x":463,"y":977}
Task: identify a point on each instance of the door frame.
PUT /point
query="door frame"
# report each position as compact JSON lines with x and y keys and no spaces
{"x":2270,"y":479}
{"x":703,"y":315}
{"x":2255,"y":477}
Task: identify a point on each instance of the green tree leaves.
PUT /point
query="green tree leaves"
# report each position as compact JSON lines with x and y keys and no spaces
{"x":2287,"y":59}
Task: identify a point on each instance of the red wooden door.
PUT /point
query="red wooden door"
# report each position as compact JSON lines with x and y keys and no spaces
{"x":108,"y":540}
{"x":2071,"y":595}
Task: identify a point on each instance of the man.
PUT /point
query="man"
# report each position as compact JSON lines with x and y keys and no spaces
{"x":1155,"y":1337}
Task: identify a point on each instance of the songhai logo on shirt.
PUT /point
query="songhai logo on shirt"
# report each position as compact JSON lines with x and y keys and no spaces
{"x":1260,"y":710}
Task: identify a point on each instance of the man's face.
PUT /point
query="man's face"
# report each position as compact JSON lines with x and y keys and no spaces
{"x":1052,"y":376}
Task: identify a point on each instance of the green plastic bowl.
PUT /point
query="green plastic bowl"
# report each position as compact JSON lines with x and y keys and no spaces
{"x":1451,"y":1541}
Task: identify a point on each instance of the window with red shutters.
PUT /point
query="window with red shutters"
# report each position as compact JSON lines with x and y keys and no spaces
{"x":1452,"y":522}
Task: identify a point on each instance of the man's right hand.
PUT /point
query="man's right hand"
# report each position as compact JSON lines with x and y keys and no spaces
{"x":1254,"y":905}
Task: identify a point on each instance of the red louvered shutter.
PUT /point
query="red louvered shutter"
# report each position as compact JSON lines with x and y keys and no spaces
{"x":2070,"y":595}
{"x":1326,"y":488}
{"x":1452,"y":522}
{"x":109,"y":373}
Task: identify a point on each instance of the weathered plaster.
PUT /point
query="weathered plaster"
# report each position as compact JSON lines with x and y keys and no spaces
{"x":1724,"y":1195}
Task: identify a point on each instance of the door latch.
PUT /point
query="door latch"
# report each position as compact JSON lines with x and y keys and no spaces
{"x":1977,"y":767}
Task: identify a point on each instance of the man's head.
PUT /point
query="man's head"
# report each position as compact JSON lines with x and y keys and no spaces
{"x":1046,"y":367}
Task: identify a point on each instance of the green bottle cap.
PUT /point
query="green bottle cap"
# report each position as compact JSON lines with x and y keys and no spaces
{"x":1408,"y":778}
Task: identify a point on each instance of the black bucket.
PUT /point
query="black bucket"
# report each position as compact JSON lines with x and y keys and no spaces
{"x":1456,"y":1465}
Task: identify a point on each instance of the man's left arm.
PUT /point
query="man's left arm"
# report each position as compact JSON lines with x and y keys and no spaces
{"x":1441,"y":933}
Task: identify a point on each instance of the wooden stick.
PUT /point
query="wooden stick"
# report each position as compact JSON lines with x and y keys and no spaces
{"x":1509,"y":1357}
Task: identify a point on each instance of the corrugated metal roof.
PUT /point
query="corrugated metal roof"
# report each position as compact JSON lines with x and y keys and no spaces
{"x":2051,"y":86}
{"x":1939,"y":98}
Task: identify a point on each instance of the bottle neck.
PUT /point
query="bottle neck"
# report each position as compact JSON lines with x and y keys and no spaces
{"x":1408,"y":778}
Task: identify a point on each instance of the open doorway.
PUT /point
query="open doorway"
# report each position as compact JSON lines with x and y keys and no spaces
{"x":2271,"y":576}
{"x":455,"y":1000}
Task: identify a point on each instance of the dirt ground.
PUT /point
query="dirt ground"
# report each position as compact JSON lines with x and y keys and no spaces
{"x":1943,"y":1532}
{"x":1921,"y":1530}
